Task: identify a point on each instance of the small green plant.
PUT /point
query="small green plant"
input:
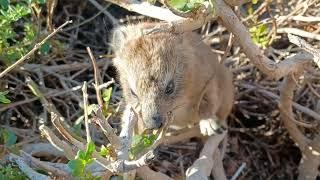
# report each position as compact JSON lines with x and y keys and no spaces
{"x":83,"y":159}
{"x":259,"y":32}
{"x":3,"y":98}
{"x":139,"y":143}
{"x":7,"y":137}
{"x":106,"y":97}
{"x":11,"y":173}
{"x":185,"y":5}
{"x":259,"y":35}
{"x":254,"y":1}
{"x":17,"y":33}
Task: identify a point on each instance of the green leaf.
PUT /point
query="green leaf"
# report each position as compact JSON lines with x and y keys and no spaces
{"x":45,"y":48}
{"x":90,"y":149}
{"x":77,"y":125}
{"x":89,"y":161}
{"x":178,"y":4}
{"x":106,"y":94}
{"x":42,"y":1}
{"x":30,"y":32}
{"x":81,"y":155}
{"x":136,"y":139}
{"x":10,"y":138}
{"x":148,"y":140}
{"x":3,"y":98}
{"x":139,"y":143}
{"x":4,"y":4}
{"x":10,"y":173}
{"x":193,"y":4}
{"x":254,"y":1}
{"x":104,"y":151}
{"x":76,"y":166}
{"x":91,"y":107}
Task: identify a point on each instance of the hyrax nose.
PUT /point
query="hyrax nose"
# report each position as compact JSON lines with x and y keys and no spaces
{"x":155,"y":122}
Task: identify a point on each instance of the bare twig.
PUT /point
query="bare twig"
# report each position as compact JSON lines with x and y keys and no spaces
{"x":44,"y":166}
{"x":85,"y":107}
{"x":306,"y":46}
{"x":23,"y":166}
{"x":226,"y":52}
{"x":97,"y":78}
{"x":36,"y":47}
{"x":57,"y":143}
{"x":106,"y":128}
{"x":98,"y":6}
{"x":239,"y":170}
{"x":299,"y":32}
{"x":130,"y":119}
{"x":146,"y":173}
{"x":202,"y":167}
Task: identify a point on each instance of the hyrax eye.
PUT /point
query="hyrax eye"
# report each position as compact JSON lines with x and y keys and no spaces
{"x":133,"y":93}
{"x":170,"y":88}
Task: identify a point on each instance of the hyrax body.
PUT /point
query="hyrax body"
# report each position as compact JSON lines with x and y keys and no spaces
{"x":166,"y":72}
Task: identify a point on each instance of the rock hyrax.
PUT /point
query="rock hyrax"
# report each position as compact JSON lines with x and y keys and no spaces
{"x":167,"y":72}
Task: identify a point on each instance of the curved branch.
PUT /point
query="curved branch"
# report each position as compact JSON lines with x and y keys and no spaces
{"x":242,"y":35}
{"x":308,"y":168}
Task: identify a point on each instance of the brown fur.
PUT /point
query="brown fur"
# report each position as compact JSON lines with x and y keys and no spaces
{"x":147,"y":63}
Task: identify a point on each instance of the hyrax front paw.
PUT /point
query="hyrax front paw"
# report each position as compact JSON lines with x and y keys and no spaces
{"x":210,"y":127}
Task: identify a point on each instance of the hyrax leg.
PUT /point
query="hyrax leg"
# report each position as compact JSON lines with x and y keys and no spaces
{"x":211,"y":101}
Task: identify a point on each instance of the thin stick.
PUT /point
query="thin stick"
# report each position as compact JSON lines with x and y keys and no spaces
{"x":40,"y":164}
{"x":240,"y":169}
{"x":226,"y":52}
{"x":97,"y":78}
{"x":36,"y":47}
{"x":85,"y":108}
{"x":106,"y":128}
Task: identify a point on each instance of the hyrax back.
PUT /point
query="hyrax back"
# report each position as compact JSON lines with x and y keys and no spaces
{"x":165,"y":72}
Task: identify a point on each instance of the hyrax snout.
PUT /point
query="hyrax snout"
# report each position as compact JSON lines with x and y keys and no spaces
{"x":171,"y":73}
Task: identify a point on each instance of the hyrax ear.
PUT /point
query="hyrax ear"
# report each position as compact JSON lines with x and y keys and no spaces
{"x":118,"y":38}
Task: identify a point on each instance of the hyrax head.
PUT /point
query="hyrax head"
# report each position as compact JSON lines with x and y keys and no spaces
{"x":152,"y":71}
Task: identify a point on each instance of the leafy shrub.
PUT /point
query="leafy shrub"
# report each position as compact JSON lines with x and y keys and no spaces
{"x":18,"y":32}
{"x":11,"y":173}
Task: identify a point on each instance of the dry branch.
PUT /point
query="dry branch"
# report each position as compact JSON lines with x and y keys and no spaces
{"x":242,"y":35}
{"x":146,"y":173}
{"x":40,"y":164}
{"x":97,"y":77}
{"x":57,"y":143}
{"x":310,"y":160}
{"x":25,"y":168}
{"x":42,"y":149}
{"x":106,"y":128}
{"x":306,"y":46}
{"x":299,"y":32}
{"x":85,"y":108}
{"x":122,"y":165}
{"x":202,"y":167}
